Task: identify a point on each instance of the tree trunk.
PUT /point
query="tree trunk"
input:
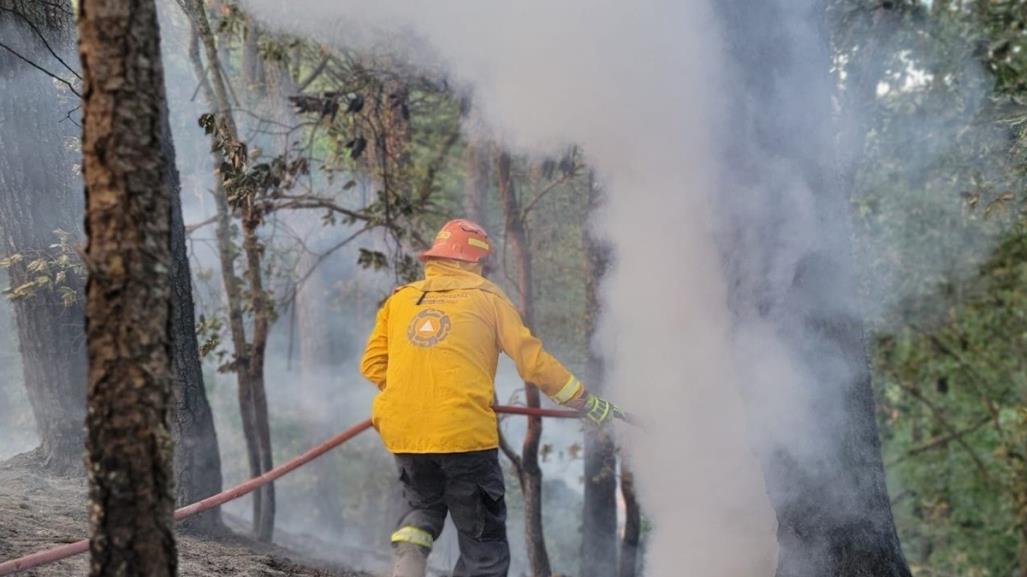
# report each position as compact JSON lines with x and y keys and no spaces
{"x":128,"y":294}
{"x":260,"y":303}
{"x":38,"y":196}
{"x":630,"y":544}
{"x":249,"y":355}
{"x":530,"y":469}
{"x":198,"y":459}
{"x":599,"y":517}
{"x":792,"y":281}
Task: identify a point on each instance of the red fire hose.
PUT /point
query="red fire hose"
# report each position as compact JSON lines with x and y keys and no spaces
{"x":71,"y":549}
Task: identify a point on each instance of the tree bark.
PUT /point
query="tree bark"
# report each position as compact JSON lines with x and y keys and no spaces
{"x":795,"y":282}
{"x":599,"y":516}
{"x":630,"y":544}
{"x":37,"y":197}
{"x":530,"y":471}
{"x":198,"y":458}
{"x":128,"y":295}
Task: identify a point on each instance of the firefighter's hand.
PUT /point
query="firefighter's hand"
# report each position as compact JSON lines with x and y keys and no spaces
{"x":598,"y":410}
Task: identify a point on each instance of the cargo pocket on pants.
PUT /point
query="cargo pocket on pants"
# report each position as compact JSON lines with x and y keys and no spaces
{"x":492,"y":511}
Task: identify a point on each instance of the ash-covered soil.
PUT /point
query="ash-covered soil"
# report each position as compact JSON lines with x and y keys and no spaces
{"x":38,"y":512}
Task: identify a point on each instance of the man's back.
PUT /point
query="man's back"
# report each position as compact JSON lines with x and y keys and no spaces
{"x":433,"y":354}
{"x":440,"y":338}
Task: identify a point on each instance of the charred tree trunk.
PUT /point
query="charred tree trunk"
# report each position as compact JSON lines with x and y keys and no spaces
{"x":198,"y":459}
{"x":128,"y":294}
{"x":599,"y":517}
{"x":249,"y":353}
{"x":823,"y":469}
{"x":38,"y":195}
{"x":631,"y":543}
{"x":529,"y":469}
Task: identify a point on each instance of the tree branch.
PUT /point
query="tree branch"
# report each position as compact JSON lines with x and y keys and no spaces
{"x":976,"y":379}
{"x":40,"y":68}
{"x":191,"y":228}
{"x":313,"y":74}
{"x":42,"y":39}
{"x":320,"y":259}
{"x":938,"y":441}
{"x":956,"y":436}
{"x":549,"y":187}
{"x":511,"y":454}
{"x":313,"y":202}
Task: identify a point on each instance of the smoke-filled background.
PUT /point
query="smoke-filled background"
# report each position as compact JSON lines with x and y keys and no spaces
{"x":796,"y":197}
{"x":636,"y":86}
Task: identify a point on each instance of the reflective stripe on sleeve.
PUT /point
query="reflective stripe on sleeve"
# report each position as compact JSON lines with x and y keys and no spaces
{"x":569,"y":391}
{"x":413,"y":535}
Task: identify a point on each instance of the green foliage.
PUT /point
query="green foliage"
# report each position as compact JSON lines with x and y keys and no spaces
{"x":953,"y":406}
{"x":941,"y":237}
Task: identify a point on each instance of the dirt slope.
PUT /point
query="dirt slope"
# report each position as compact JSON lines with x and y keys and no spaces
{"x":37,"y":512}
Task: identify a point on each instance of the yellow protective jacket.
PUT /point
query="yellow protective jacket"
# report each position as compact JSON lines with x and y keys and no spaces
{"x":433,"y":355}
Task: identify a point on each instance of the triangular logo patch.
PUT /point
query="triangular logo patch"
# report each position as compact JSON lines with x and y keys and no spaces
{"x":427,"y":327}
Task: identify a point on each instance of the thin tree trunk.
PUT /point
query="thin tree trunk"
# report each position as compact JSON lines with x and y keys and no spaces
{"x":260,"y":303}
{"x":630,"y":545}
{"x":128,"y":294}
{"x":38,"y":195}
{"x":249,"y":355}
{"x":531,"y":471}
{"x":237,"y":328}
{"x":599,"y":516}
{"x":198,"y":459}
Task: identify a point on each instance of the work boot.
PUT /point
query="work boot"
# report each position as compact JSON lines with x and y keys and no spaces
{"x":409,"y":560}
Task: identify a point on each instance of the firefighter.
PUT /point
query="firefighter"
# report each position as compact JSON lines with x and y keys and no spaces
{"x":432,"y":355}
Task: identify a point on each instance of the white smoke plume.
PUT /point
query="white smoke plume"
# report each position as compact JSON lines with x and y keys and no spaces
{"x":635,"y":84}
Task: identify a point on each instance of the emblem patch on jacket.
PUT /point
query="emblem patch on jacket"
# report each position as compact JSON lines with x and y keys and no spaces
{"x":428,"y":328}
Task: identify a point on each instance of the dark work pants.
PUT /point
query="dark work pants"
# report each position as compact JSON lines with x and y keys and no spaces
{"x":468,"y":486}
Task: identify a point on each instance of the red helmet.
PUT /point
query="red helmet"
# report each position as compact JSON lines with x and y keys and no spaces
{"x":460,"y":239}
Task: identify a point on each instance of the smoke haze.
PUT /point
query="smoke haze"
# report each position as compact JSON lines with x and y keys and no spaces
{"x":635,"y":85}
{"x":646,"y":88}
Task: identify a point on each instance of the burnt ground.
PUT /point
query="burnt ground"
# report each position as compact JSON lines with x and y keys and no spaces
{"x":37,"y":512}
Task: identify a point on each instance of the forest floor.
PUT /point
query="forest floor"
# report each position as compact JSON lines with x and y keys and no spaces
{"x":38,"y":512}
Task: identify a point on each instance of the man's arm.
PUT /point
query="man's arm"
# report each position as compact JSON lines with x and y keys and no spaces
{"x":539,"y":368}
{"x":534,"y":364}
{"x":375,"y":362}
